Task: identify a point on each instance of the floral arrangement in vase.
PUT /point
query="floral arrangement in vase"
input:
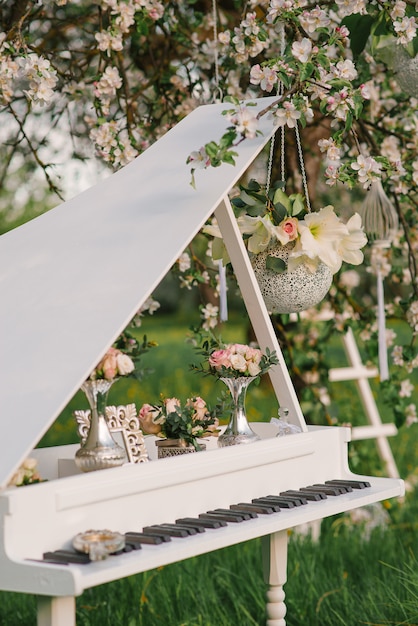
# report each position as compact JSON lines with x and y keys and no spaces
{"x":185,"y":423}
{"x":100,"y":450}
{"x":294,"y":251}
{"x":237,"y":365}
{"x":122,"y":358}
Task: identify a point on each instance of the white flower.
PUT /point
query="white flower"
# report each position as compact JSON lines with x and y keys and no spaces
{"x":406,"y":30}
{"x":319,"y":232}
{"x":199,"y":159}
{"x":350,"y":244}
{"x":125,"y":364}
{"x":406,"y":389}
{"x":368,"y":169}
{"x":287,"y":115}
{"x":316,"y":18}
{"x":398,"y":10}
{"x":302,"y":50}
{"x":346,"y":69}
{"x":261,"y":230}
{"x":266,"y":77}
{"x":411,"y":414}
{"x":245,"y":121}
{"x":238,"y":362}
{"x":184,"y":262}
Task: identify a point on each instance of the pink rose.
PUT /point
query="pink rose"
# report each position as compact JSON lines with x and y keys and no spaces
{"x":108,"y":365}
{"x":290,"y":227}
{"x":287,"y":230}
{"x":171,"y":404}
{"x":199,"y":406}
{"x":220,"y":358}
{"x":148,"y":417}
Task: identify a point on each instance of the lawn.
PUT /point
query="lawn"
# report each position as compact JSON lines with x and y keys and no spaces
{"x":360,"y":571}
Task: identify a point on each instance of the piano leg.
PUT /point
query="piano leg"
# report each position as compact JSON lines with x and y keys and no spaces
{"x":54,"y":611}
{"x":275,"y":575}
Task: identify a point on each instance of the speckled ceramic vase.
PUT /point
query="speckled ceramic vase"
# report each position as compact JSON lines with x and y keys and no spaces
{"x":290,"y":292}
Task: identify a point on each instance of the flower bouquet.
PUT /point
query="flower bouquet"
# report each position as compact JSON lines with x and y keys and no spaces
{"x":100,"y":450}
{"x":179,"y":426}
{"x":27,"y":474}
{"x":236,"y":365}
{"x":294,"y":251}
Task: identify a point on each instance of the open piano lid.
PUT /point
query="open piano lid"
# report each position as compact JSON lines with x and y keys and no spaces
{"x":73,"y":278}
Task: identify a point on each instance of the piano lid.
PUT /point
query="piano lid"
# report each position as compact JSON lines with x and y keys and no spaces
{"x":72,"y":279}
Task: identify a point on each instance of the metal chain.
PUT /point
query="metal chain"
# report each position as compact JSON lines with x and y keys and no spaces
{"x":302,"y":168}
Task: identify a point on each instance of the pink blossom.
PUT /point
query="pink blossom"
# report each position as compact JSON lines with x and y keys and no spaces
{"x":148,"y":417}
{"x":108,"y":365}
{"x":287,"y":230}
{"x":171,"y":404}
{"x":220,"y":358}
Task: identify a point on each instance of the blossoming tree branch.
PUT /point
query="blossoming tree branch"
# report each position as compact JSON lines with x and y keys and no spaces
{"x":108,"y":78}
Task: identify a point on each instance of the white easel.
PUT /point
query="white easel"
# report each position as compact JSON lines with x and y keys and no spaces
{"x":359,"y":373}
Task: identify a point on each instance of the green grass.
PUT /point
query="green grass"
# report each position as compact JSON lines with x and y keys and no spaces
{"x":351,"y":576}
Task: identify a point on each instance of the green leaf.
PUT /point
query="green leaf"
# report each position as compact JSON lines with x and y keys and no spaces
{"x":275,"y":264}
{"x":298,"y":204}
{"x":253,"y":185}
{"x":245,"y":197}
{"x":229,"y":157}
{"x":360,"y":28}
{"x":279,"y":212}
{"x":212,"y":149}
{"x":306,"y":71}
{"x":282,"y":198}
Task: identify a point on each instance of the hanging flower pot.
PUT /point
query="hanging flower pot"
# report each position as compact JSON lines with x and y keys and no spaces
{"x":290,"y":291}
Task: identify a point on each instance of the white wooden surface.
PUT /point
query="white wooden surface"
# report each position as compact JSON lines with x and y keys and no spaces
{"x":361,"y":374}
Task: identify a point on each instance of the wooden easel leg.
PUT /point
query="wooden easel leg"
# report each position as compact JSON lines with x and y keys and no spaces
{"x":54,"y":611}
{"x":275,"y":575}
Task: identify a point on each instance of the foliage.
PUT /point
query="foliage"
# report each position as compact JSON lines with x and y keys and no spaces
{"x":266,"y":217}
{"x":186,"y":423}
{"x":111,"y":77}
{"x":232,"y":360}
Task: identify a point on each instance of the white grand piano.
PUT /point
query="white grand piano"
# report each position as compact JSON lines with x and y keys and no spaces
{"x":70,"y":281}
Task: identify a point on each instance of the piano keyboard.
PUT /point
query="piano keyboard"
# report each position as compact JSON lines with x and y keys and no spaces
{"x":182,"y":528}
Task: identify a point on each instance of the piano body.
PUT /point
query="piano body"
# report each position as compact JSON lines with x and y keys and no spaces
{"x":70,"y":281}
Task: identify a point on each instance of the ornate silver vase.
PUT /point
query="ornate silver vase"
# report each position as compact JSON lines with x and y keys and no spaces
{"x":238,"y":430}
{"x":100,"y":450}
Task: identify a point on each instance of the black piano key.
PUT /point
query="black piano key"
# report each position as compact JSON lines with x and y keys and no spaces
{"x":66,"y":556}
{"x":151,"y":539}
{"x":322,"y":492}
{"x":196,"y":528}
{"x":205,"y":523}
{"x":244,"y":514}
{"x":296,"y":500}
{"x":273,"y":503}
{"x":129,"y":546}
{"x":227,"y":516}
{"x":261,"y":509}
{"x":308,"y":495}
{"x":246,"y":510}
{"x":165,"y":530}
{"x":187,"y":529}
{"x":355,"y":484}
{"x":331,"y":490}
